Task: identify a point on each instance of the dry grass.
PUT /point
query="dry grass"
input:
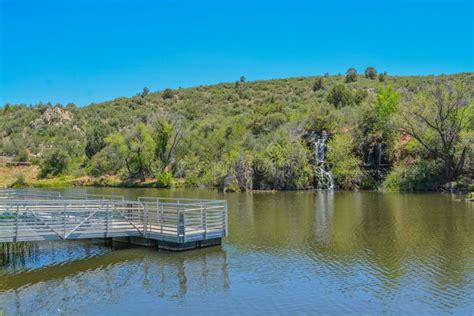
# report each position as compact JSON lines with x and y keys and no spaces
{"x":8,"y":175}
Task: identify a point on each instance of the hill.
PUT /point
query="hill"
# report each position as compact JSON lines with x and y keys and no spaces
{"x":259,"y":135}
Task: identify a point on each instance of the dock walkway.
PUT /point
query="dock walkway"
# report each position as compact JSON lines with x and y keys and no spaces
{"x":175,"y":224}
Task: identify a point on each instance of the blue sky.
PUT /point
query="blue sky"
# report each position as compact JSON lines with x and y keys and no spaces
{"x":91,"y":51}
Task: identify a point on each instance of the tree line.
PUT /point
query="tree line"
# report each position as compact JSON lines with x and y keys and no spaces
{"x":256,"y":135}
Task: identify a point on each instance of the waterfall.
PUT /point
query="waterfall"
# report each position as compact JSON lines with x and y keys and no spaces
{"x":320,"y":147}
{"x":374,"y":155}
{"x":325,"y":178}
{"x":380,"y":152}
{"x":370,"y":160}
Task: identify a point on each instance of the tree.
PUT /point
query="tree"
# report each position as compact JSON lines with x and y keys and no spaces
{"x":55,"y":163}
{"x":318,"y":84}
{"x":145,"y":92}
{"x":381,"y":77}
{"x":436,"y":120}
{"x":95,"y":140}
{"x":242,"y":79}
{"x":167,"y":137}
{"x":136,"y":147}
{"x":351,"y":75}
{"x":243,"y":170}
{"x":6,"y":109}
{"x":340,"y":96}
{"x":387,"y":103}
{"x":284,"y":165}
{"x":370,"y":73}
{"x":107,"y":161}
{"x":167,"y":94}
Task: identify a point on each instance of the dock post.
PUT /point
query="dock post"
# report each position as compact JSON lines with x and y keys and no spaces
{"x":64,"y":217}
{"x":145,"y":220}
{"x":17,"y":220}
{"x":226,"y":215}
{"x":181,"y":228}
{"x":204,"y":219}
{"x":107,"y":221}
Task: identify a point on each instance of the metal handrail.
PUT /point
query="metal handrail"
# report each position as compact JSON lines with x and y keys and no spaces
{"x":179,"y":200}
{"x":101,"y":196}
{"x":173,"y":219}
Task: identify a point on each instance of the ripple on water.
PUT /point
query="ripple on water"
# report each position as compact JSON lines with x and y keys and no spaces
{"x":287,"y":253}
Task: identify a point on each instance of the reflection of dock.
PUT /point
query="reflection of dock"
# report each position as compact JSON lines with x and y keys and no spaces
{"x":175,"y":224}
{"x":113,"y":277}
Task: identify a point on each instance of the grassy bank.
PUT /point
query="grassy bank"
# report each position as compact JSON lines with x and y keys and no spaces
{"x":20,"y":177}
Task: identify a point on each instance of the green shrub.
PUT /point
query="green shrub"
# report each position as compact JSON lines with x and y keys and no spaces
{"x":168,"y":94}
{"x":470,"y":187}
{"x":421,"y":176}
{"x":318,"y":84}
{"x":20,"y":182}
{"x":164,"y":180}
{"x":95,"y":139}
{"x":22,"y":155}
{"x":345,"y":165}
{"x":340,"y":96}
{"x":191,"y":180}
{"x":267,"y":123}
{"x":368,"y":182}
{"x":284,"y":165}
{"x":56,"y":163}
{"x":360,"y":96}
{"x":105,"y":162}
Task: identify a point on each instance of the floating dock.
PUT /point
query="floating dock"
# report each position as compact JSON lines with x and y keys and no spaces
{"x":167,"y":223}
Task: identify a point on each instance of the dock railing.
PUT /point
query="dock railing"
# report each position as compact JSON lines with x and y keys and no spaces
{"x":198,"y":219}
{"x":28,"y":215}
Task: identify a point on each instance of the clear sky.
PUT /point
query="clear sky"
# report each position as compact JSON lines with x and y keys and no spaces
{"x":90,"y":51}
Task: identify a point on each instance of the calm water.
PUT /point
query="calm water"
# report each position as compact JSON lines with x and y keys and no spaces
{"x":294,"y":252}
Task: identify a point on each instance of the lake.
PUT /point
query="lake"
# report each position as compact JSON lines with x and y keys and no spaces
{"x":287,"y":252}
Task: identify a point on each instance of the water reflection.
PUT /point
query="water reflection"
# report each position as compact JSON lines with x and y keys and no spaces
{"x":394,"y":246}
{"x":114,"y":276}
{"x":287,"y":252}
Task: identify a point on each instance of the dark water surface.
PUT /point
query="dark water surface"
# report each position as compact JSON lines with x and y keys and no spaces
{"x":291,"y":252}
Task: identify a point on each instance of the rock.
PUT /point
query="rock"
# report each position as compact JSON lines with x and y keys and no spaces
{"x":53,"y":117}
{"x":230,"y":184}
{"x":449,"y":187}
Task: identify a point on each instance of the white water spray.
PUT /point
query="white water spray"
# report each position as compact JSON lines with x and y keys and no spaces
{"x":325,"y":178}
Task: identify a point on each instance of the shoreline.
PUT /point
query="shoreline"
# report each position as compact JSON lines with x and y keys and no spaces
{"x":26,"y":177}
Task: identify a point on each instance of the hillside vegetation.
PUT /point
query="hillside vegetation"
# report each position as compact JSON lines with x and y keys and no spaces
{"x":401,"y":133}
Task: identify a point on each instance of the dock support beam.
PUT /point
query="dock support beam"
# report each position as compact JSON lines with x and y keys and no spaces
{"x":167,"y":245}
{"x":189,"y":245}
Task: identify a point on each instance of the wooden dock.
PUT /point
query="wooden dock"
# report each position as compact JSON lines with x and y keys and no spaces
{"x":174,"y":224}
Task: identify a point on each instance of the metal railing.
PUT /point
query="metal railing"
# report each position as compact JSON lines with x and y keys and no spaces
{"x":28,"y":215}
{"x":44,"y":194}
{"x":199,"y":219}
{"x":89,"y":196}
